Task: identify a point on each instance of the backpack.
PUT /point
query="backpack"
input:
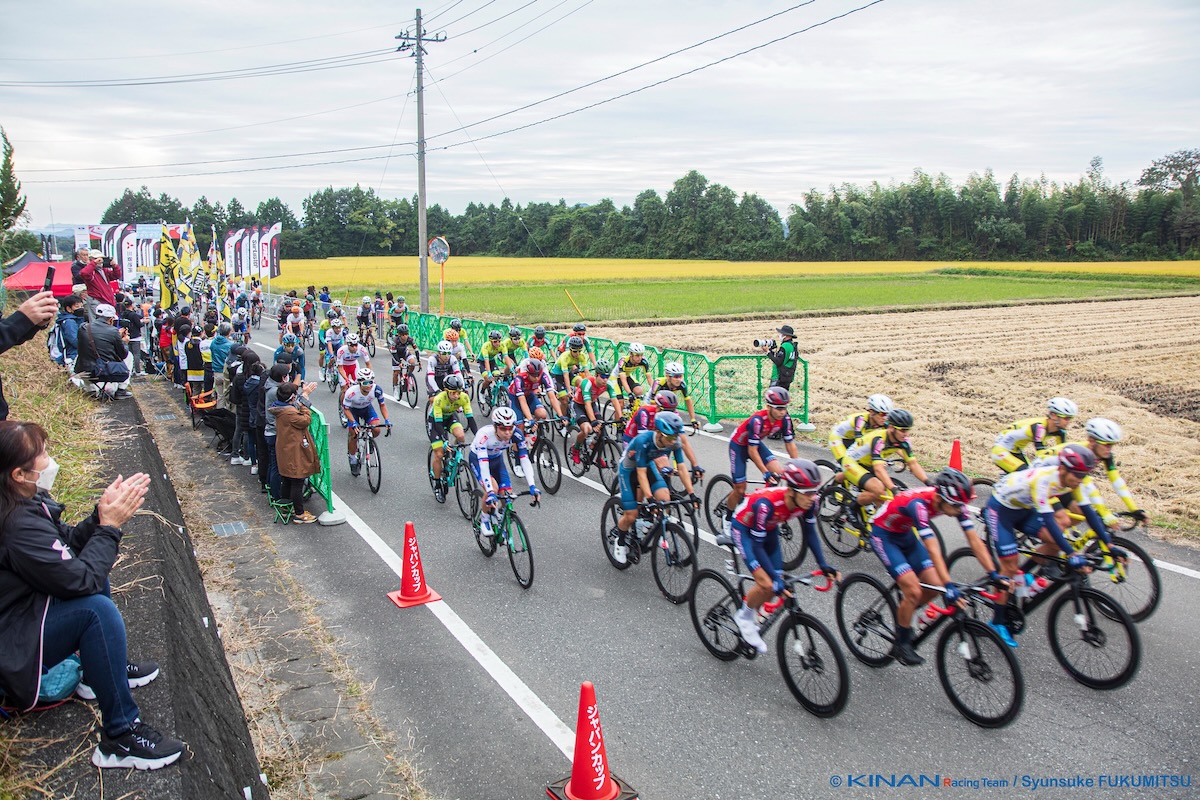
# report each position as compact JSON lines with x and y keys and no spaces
{"x":55,"y":344}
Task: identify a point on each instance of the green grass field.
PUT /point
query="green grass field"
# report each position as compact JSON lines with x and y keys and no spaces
{"x":701,"y":297}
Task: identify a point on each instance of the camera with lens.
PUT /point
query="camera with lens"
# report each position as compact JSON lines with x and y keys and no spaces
{"x":770,"y":344}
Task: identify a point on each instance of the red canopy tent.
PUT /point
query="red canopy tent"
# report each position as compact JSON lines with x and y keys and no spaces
{"x":32,"y":277}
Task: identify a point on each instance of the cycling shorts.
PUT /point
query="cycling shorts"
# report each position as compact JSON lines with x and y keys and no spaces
{"x":534,"y":402}
{"x":628,"y":484}
{"x":438,"y":430}
{"x":1004,"y":522}
{"x":739,"y":454}
{"x":579,"y":413}
{"x":363,"y":416}
{"x":856,"y":474}
{"x":900,"y":554}
{"x":497,"y":469}
{"x":351,"y":374}
{"x":765,"y":552}
{"x":397,"y":362}
{"x":1009,"y":461}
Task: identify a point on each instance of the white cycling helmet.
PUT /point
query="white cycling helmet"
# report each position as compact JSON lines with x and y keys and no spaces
{"x":503,"y":415}
{"x":336,"y":322}
{"x":673,"y":369}
{"x":241,"y":313}
{"x":637,"y":348}
{"x":351,"y":338}
{"x":366,"y":377}
{"x":444,"y":348}
{"x":337,"y":303}
{"x":366,"y":300}
{"x":880,"y":404}
{"x":1103,"y":430}
{"x":1062,"y":407}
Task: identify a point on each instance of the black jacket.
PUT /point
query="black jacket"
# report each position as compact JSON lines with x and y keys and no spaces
{"x":15,"y":329}
{"x":132,"y":322}
{"x":40,"y":558}
{"x":108,"y":343}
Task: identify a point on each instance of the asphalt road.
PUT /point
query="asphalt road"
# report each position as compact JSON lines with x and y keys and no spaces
{"x":678,"y":723}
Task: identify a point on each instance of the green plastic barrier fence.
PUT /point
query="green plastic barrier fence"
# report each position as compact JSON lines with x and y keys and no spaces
{"x":322,"y":482}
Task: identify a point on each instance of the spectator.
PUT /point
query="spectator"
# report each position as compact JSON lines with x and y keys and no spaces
{"x":219,"y":351}
{"x":278,"y":374}
{"x":242,"y":453}
{"x":20,"y":326}
{"x":102,"y":340}
{"x":251,"y":393}
{"x":54,"y":598}
{"x":132,"y":322}
{"x":295,"y":450}
{"x":258,"y":421}
{"x":96,"y":276}
{"x":166,"y":335}
{"x":183,"y":332}
{"x":325,"y":300}
{"x":81,"y":261}
{"x":206,"y":354}
{"x":66,"y":328}
{"x":194,"y":360}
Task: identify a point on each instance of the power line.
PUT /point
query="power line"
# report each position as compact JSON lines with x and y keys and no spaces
{"x":506,"y":35}
{"x":437,"y":14}
{"x":497,"y":19}
{"x":464,"y":16}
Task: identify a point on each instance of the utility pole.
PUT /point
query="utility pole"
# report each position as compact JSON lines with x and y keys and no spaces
{"x":415,"y":43}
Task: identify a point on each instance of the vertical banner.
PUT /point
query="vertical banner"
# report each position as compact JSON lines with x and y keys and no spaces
{"x":230,"y":261}
{"x":238,"y":235}
{"x":81,"y":237}
{"x":271,"y":249}
{"x":247,"y":253}
{"x":252,"y":268}
{"x":108,"y":244}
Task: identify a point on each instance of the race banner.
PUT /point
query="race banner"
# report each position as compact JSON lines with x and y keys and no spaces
{"x":252,"y":268}
{"x":270,"y":250}
{"x":235,"y":263}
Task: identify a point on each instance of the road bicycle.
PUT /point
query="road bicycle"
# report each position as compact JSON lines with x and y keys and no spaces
{"x":456,"y":472}
{"x":545,"y":459}
{"x":256,"y":314}
{"x":672,"y":557}
{"x":978,"y":672}
{"x":812,"y":664}
{"x":496,"y":394}
{"x":601,"y":450}
{"x":330,"y":373}
{"x":366,"y":338}
{"x":310,"y":334}
{"x":368,"y":453}
{"x":508,"y":530}
{"x":1091,"y":635}
{"x":408,"y":388}
{"x":844,"y":525}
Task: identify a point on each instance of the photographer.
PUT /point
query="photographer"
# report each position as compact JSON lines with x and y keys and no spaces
{"x":783,"y":355}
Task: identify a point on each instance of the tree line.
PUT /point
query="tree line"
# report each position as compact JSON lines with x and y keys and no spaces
{"x":923,"y":218}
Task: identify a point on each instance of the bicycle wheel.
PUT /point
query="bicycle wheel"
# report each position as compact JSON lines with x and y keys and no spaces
{"x":715,"y":511}
{"x":608,"y":463}
{"x":486,"y":397}
{"x":486,"y":544}
{"x":711,"y":604}
{"x":964,"y":569}
{"x":548,"y":465}
{"x":373,"y":465}
{"x":673,"y":561}
{"x":435,"y":483}
{"x":331,"y":380}
{"x":980,"y":674}
{"x":576,"y":460}
{"x":520,"y":550}
{"x":1137,"y":587}
{"x":465,"y":493}
{"x":608,"y":520}
{"x":795,"y":546}
{"x":409,"y":391}
{"x":866,"y":618}
{"x":370,"y":342}
{"x":827,"y":469}
{"x":838,"y":531}
{"x":813,"y":666}
{"x":1094,"y":640}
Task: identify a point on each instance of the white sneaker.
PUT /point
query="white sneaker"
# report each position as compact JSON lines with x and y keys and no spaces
{"x":254,"y":469}
{"x":727,"y":528}
{"x":237,"y":461}
{"x":620,"y":553}
{"x":748,"y":626}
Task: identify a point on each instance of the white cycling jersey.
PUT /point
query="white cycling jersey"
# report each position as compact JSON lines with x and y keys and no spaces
{"x":346,"y":358}
{"x":355,"y":398}
{"x":1031,"y":488}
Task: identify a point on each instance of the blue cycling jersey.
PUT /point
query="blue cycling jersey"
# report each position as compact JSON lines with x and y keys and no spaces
{"x":642,"y":451}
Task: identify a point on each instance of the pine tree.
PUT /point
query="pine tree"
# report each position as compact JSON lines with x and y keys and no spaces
{"x":12,"y":204}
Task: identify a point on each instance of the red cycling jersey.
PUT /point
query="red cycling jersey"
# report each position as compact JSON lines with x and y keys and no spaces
{"x":758,"y":426}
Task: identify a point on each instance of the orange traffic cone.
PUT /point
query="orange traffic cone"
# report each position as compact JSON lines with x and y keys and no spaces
{"x":590,"y":778}
{"x":413,"y":589}
{"x":956,"y":455}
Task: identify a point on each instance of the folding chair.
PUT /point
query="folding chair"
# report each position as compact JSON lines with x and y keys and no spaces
{"x":199,"y":403}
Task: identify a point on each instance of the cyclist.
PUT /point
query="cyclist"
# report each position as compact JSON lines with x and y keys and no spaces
{"x":756,"y":536}
{"x":440,"y":365}
{"x":902,"y":536}
{"x":844,"y":434}
{"x":747,"y":443}
{"x":1042,"y":432}
{"x":348,"y":358}
{"x":491,"y":359}
{"x":467,"y":355}
{"x":395,"y":320}
{"x":1102,"y":434}
{"x":487,"y":461}
{"x":865,"y":464}
{"x":405,"y":356}
{"x":442,"y":422}
{"x":331,"y":338}
{"x":638,"y":476}
{"x":516,"y":349}
{"x":364,"y":313}
{"x":293,"y":322}
{"x":673,"y":382}
{"x":398,"y":305}
{"x":539,"y":339}
{"x":1030,"y":501}
{"x":566,"y":365}
{"x":531,"y":376}
{"x":336,"y":307}
{"x":310,"y":308}
{"x":577,"y":330}
{"x":631,"y":374}
{"x":256,"y":299}
{"x":322,"y":329}
{"x":585,"y":403}
{"x":241,"y":327}
{"x":291,"y":346}
{"x":359,"y":408}
{"x":667,"y":401}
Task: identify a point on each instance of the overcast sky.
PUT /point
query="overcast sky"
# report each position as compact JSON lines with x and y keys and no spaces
{"x":954,"y":86}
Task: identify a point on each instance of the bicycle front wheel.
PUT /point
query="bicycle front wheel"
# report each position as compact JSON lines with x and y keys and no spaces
{"x":711,"y":604}
{"x":715,"y":511}
{"x":1136,"y":586}
{"x":673,"y":561}
{"x":794,"y":545}
{"x":575,"y":459}
{"x":608,"y":464}
{"x":980,"y":674}
{"x":371,"y":345}
{"x":549,"y":468}
{"x":520,"y":550}
{"x":464,"y":492}
{"x":838,"y":530}
{"x":372,"y":464}
{"x":1094,"y":639}
{"x":409,"y":393}
{"x":813,"y":666}
{"x":866,"y":618}
{"x":608,"y":523}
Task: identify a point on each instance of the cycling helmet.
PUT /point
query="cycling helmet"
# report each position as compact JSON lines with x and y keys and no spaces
{"x":503,"y":415}
{"x":402,"y":330}
{"x":241,"y":313}
{"x":578,"y":327}
{"x":351,"y":338}
{"x":575,"y":343}
{"x":514,"y":332}
{"x":954,"y":487}
{"x":673,"y":369}
{"x":537,"y":354}
{"x":603,"y":368}
{"x":366,"y":300}
{"x":495,"y":336}
{"x":444,"y":348}
{"x":539,"y":331}
{"x":456,"y":324}
{"x":453,"y":383}
{"x":337,"y":303}
{"x":668,"y":423}
{"x":880,"y":404}
{"x":1103,"y":430}
{"x":802,"y":475}
{"x":365,"y":377}
{"x":636,"y":348}
{"x":335,"y":323}
{"x":1077,"y":459}
{"x":309,"y":297}
{"x":666,"y":400}
{"x":290,"y":338}
{"x":400,"y":300}
{"x":778,"y":397}
{"x":378,"y":294}
{"x":451,"y":336}
{"x":534,"y":365}
{"x":1062,"y":407}
{"x":899,"y":418}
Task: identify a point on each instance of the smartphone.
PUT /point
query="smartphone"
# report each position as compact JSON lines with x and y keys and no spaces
{"x":50,"y":273}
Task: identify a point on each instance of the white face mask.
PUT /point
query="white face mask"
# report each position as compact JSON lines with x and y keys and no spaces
{"x":45,"y":479}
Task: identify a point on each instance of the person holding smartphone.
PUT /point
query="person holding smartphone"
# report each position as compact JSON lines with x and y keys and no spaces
{"x":131,"y":321}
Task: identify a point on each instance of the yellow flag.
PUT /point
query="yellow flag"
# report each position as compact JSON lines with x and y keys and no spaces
{"x":168,"y":270}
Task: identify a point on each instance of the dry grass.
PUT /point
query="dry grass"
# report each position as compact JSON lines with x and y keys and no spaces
{"x":968,"y":373}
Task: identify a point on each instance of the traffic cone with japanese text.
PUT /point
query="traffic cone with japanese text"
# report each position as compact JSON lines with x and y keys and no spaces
{"x":956,"y":455}
{"x":413,"y":589}
{"x":590,"y":778}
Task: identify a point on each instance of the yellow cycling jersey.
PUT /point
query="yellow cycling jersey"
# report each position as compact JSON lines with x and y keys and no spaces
{"x":492,"y":352}
{"x":844,"y":434}
{"x":515,"y":345}
{"x":1025,"y":432}
{"x":565,"y":362}
{"x":443,"y":408}
{"x":1037,"y":488}
{"x":1088,"y":493}
{"x":873,"y":446}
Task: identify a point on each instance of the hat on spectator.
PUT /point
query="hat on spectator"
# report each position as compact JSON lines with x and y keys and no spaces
{"x":284,"y":358}
{"x":95,"y":254}
{"x":78,"y":288}
{"x":786,"y":330}
{"x":106,"y":311}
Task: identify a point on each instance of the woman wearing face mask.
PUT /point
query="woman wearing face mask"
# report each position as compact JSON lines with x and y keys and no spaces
{"x":54,"y":598}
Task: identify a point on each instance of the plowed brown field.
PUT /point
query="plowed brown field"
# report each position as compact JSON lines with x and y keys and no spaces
{"x":967,"y":374}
